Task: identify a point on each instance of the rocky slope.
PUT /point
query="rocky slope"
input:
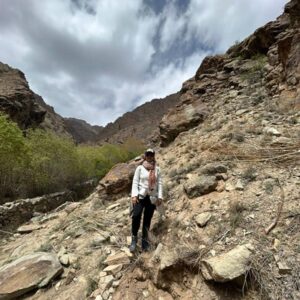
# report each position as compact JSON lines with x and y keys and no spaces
{"x":24,"y":106}
{"x":231,"y":175}
{"x":140,"y":123}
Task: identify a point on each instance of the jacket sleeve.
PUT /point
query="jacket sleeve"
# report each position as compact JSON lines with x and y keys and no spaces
{"x":160,"y":185}
{"x":135,"y":182}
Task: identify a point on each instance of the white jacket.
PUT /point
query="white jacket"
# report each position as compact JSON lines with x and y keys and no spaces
{"x":140,"y":183}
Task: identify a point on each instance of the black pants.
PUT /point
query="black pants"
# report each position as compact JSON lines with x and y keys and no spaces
{"x":148,"y":208}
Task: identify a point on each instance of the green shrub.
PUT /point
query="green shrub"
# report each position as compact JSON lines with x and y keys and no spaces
{"x":42,"y":162}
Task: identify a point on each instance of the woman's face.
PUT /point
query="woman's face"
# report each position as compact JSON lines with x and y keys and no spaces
{"x":149,"y":158}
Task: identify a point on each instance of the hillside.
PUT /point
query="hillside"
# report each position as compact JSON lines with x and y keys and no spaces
{"x":230,"y":153}
{"x":29,"y":110}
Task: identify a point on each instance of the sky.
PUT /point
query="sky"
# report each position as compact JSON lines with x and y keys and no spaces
{"x":97,"y":59}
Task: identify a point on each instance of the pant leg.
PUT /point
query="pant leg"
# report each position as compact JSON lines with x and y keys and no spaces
{"x":136,"y":217}
{"x":148,"y":213}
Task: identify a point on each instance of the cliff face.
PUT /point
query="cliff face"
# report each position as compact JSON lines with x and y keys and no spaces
{"x":266,"y":65}
{"x":25,"y":107}
{"x":17,"y":100}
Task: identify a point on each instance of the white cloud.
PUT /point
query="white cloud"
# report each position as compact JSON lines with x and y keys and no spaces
{"x":96,"y":59}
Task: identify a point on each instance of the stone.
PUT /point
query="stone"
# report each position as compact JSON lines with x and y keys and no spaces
{"x":105,"y":282}
{"x":239,"y":185}
{"x":203,"y":218}
{"x":227,"y":266}
{"x":283,"y":268}
{"x":101,"y":238}
{"x":119,"y":178}
{"x":146,"y":293}
{"x":213,"y":168}
{"x":181,"y":118}
{"x":28,"y":228}
{"x":64,"y":259}
{"x":271,"y":131}
{"x":27,"y":273}
{"x":119,"y":258}
{"x":116,"y":283}
{"x":200,"y":185}
{"x":113,"y":269}
{"x":229,"y":187}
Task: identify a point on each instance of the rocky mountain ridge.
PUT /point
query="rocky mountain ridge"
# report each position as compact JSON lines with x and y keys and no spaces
{"x":230,"y":163}
{"x":29,"y":110}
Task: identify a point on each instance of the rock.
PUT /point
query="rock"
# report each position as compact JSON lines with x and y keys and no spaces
{"x":210,"y":65}
{"x":101,"y":238}
{"x":202,"y":219}
{"x":113,"y":269}
{"x":167,"y":258}
{"x":115,"y":259}
{"x":180,"y":119}
{"x":239,"y":185}
{"x":28,"y":228}
{"x":146,"y":293}
{"x":105,"y":282}
{"x":200,"y":185}
{"x":271,"y":131}
{"x":27,"y":273}
{"x":227,"y":266}
{"x":119,"y":178}
{"x":64,"y":259}
{"x":213,"y":168}
{"x":229,"y":187}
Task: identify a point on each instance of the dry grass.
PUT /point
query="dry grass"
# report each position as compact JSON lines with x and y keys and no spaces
{"x":282,"y":154}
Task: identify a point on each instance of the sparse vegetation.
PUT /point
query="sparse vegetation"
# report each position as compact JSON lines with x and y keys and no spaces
{"x":249,"y":174}
{"x":235,"y":213}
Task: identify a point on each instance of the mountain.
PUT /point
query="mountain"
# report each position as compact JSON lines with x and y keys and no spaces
{"x":25,"y":107}
{"x":141,"y":123}
{"x":29,"y":110}
{"x":230,"y":160}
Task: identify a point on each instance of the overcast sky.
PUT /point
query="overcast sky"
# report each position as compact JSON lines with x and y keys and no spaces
{"x":97,"y":59}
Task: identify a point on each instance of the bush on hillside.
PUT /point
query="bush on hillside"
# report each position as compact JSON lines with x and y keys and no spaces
{"x":42,"y":162}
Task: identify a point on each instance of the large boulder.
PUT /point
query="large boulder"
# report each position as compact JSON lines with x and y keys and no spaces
{"x":227,"y":266}
{"x":210,"y":65}
{"x":181,"y":118}
{"x":28,"y":273}
{"x":119,"y":178}
{"x":200,"y":185}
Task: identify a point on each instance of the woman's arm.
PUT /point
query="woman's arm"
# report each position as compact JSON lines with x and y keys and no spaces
{"x":135,"y":182}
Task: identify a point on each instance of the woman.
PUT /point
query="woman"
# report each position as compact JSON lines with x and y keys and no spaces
{"x":146,"y":194}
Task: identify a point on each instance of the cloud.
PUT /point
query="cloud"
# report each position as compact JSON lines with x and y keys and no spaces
{"x":97,"y":59}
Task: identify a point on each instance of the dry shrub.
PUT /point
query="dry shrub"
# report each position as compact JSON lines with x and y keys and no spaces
{"x":282,"y":154}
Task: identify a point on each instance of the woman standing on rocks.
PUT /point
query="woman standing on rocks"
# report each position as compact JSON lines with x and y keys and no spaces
{"x":146,"y":194}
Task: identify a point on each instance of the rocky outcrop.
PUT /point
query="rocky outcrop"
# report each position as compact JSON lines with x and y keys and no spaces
{"x":269,"y":57}
{"x":182,"y":118}
{"x":25,"y":107}
{"x":119,"y":178}
{"x":228,"y":266}
{"x":17,"y":100}
{"x":200,"y":185}
{"x":28,"y":273}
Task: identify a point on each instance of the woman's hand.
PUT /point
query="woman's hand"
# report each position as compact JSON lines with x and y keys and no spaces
{"x":134,"y":200}
{"x":159,"y":201}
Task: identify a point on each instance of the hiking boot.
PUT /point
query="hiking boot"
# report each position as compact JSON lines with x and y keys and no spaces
{"x":145,"y":245}
{"x":132,"y":247}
